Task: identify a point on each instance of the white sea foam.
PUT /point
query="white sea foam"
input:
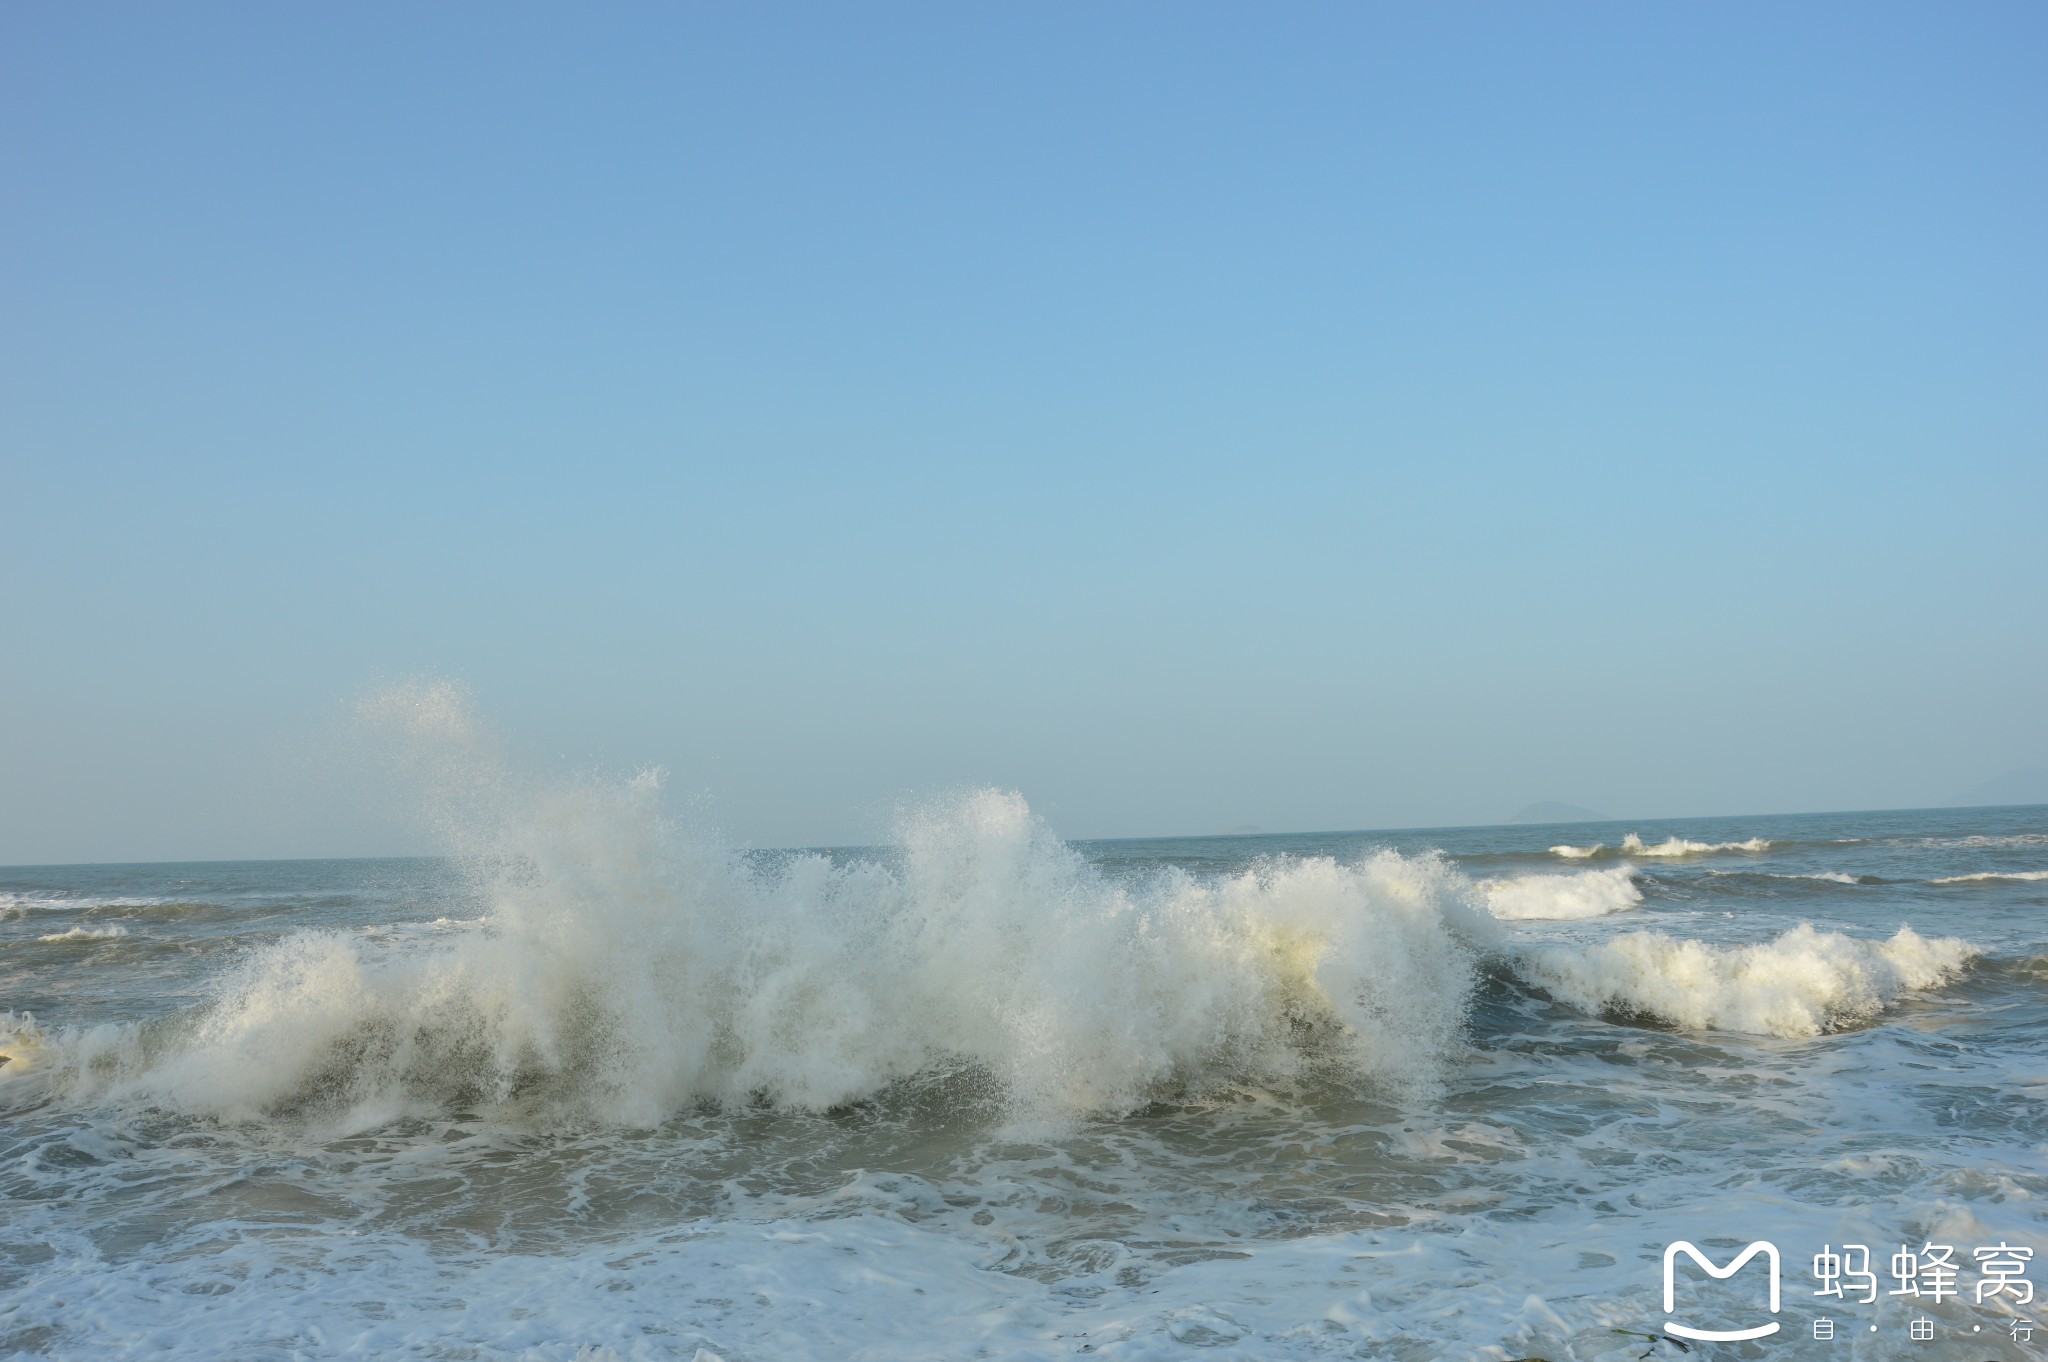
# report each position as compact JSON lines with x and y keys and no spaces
{"x":1804,"y":983}
{"x":903,"y":1279}
{"x":1633,"y":845}
{"x":1982,"y":876}
{"x":627,"y":969}
{"x":1288,"y":1220}
{"x":86,"y":934}
{"x":1974,"y":842}
{"x":1589,"y":893}
{"x":850,"y":1286}
{"x":13,"y":905}
{"x":21,"y":905}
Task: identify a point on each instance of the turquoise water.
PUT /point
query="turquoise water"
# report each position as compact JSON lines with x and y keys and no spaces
{"x":598,"y":1086}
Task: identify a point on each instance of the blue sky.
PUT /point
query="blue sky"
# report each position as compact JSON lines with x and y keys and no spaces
{"x":1190,"y":415}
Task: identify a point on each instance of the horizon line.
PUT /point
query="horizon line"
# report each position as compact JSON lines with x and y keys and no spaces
{"x":1078,"y":841}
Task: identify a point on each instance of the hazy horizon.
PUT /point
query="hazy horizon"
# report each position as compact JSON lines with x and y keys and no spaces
{"x":1122,"y":837}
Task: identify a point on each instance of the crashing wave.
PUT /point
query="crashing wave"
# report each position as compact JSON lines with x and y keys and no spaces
{"x":627,"y":969}
{"x":1804,"y":983}
{"x":1588,"y":894}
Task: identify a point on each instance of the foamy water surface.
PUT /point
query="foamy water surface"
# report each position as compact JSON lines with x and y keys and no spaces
{"x":597,"y":1086}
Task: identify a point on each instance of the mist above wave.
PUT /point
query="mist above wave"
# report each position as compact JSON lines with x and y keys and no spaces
{"x":629,"y":966}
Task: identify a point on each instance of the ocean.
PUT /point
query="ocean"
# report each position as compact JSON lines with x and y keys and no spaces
{"x":597,"y":1086}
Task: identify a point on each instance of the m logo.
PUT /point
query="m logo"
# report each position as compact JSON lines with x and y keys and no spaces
{"x":1769,"y":1251}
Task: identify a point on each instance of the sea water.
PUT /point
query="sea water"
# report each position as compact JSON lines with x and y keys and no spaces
{"x":596,"y":1086}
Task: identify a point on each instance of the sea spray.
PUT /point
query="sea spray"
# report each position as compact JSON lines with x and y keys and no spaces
{"x":1803,"y":983}
{"x":1590,"y":893}
{"x":627,"y":966}
{"x":1289,"y":1213}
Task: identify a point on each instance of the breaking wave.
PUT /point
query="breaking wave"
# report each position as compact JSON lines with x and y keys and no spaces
{"x":1804,"y":983}
{"x":85,"y":934}
{"x":627,"y":968}
{"x":1982,"y":876}
{"x":1633,"y":845}
{"x":1590,"y":893}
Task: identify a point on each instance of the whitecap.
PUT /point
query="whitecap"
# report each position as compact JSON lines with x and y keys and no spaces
{"x":627,"y":968}
{"x":1633,"y":845}
{"x":86,"y":934}
{"x":1803,"y":983}
{"x":1587,"y":894}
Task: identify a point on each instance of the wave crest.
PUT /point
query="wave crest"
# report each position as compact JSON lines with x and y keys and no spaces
{"x":1804,"y":983}
{"x":627,"y":968}
{"x":1633,"y":845}
{"x":1587,"y":894}
{"x":79,"y":934}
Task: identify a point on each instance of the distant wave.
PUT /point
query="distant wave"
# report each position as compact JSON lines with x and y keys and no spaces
{"x":86,"y":934}
{"x":1587,"y":894}
{"x":1822,"y":876}
{"x":1633,"y":845}
{"x":20,"y":905}
{"x":1804,"y":983}
{"x":1984,"y":875}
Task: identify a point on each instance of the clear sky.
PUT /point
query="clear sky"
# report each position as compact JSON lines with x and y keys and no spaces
{"x":1190,"y":415}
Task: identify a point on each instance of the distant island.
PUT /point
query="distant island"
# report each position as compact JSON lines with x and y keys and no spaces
{"x":1550,"y":811}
